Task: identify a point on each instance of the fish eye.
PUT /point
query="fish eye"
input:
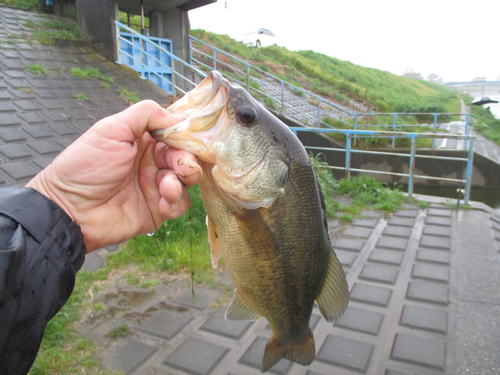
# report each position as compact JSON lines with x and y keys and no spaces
{"x":246,"y":116}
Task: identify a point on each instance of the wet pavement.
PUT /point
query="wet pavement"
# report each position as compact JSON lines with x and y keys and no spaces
{"x":424,"y":283}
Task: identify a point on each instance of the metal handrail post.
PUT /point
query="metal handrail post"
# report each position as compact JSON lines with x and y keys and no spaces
{"x":214,"y":58}
{"x":248,"y":78}
{"x":173,"y":78}
{"x":435,"y":129}
{"x":468,"y":174}
{"x":319,"y":113}
{"x":118,"y":51}
{"x":355,"y":127}
{"x":394,"y":122}
{"x":412,"y":166}
{"x":348,"y":156}
{"x":467,"y":117}
{"x":282,"y":96}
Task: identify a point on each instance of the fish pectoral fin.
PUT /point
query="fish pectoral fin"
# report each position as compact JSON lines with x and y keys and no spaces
{"x":302,"y":352}
{"x":256,"y":231}
{"x":334,"y":295}
{"x":213,"y":240}
{"x":239,"y":310}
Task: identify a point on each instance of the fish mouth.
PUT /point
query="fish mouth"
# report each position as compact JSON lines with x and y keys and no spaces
{"x":203,"y":111}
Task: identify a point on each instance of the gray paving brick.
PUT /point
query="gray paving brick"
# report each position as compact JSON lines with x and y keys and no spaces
{"x":65,"y":142}
{"x":42,"y":163}
{"x":21,"y":94}
{"x":45,"y":147}
{"x":50,"y":104}
{"x":379,"y":273}
{"x":40,"y":84}
{"x":11,"y":135}
{"x":421,"y":351}
{"x":63,"y":129}
{"x":8,"y":120}
{"x":5,"y":108}
{"x":367,"y":223}
{"x":397,"y":232}
{"x":386,"y":256}
{"x":349,"y":244}
{"x":375,"y":295}
{"x":31,"y":118}
{"x":360,"y":320}
{"x":395,"y":372}
{"x":406,"y":213}
{"x":430,"y":230}
{"x":5,"y":95}
{"x":19,"y":83}
{"x":127,"y":355}
{"x":203,"y":297}
{"x":348,"y":353}
{"x":55,"y":116}
{"x":436,"y":220}
{"x":372,"y":214}
{"x":26,"y":105}
{"x":358,"y":232}
{"x":439,"y":212}
{"x":167,"y":323}
{"x":435,"y":242}
{"x":435,"y":256}
{"x":15,"y":151}
{"x":345,"y":258}
{"x":401,"y":221}
{"x":431,"y":272}
{"x":428,"y":292}
{"x":44,"y":94}
{"x":218,"y":325}
{"x":254,"y":354}
{"x":424,"y":318}
{"x":392,"y":243}
{"x":38,"y":131}
{"x":15,"y":74}
{"x":18,"y":170}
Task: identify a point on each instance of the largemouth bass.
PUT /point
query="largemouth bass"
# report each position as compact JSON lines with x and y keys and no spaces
{"x":266,"y":215}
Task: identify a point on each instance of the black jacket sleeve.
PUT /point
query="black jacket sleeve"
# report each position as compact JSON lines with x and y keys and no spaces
{"x":41,"y":249}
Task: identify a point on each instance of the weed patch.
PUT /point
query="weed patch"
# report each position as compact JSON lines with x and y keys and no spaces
{"x":37,"y":69}
{"x":129,"y":96}
{"x":80,"y":96}
{"x":46,"y":31}
{"x":91,"y":74}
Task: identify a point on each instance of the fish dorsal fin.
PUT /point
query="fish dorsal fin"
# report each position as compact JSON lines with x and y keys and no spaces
{"x":239,"y":310}
{"x":213,"y":240}
{"x":334,"y":295}
{"x":256,"y":231}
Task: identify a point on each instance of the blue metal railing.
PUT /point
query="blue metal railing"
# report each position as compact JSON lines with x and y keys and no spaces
{"x":322,"y":109}
{"x":349,"y":134}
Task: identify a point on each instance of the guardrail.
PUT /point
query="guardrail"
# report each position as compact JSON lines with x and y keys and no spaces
{"x":349,"y":134}
{"x":146,"y":49}
{"x":316,"y":108}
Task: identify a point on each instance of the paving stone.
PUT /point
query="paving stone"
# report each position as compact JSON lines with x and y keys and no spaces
{"x":203,"y":297}
{"x":439,"y":212}
{"x":229,"y":328}
{"x":406,"y":213}
{"x":349,"y":244}
{"x":44,"y":94}
{"x":65,"y":142}
{"x":254,"y":354}
{"x":367,"y":223}
{"x":372,"y":214}
{"x":430,"y":230}
{"x":55,"y":116}
{"x":397,"y":232}
{"x":26,"y":105}
{"x":421,"y":351}
{"x":166,"y":324}
{"x":424,"y":318}
{"x":5,"y":95}
{"x":42,"y":163}
{"x":348,"y":353}
{"x":9,"y":120}
{"x":22,"y":94}
{"x":392,"y":243}
{"x":93,"y":261}
{"x":379,"y":273}
{"x":375,"y":295}
{"x":435,"y":256}
{"x":401,"y":221}
{"x":358,"y":232}
{"x":31,"y":118}
{"x":436,"y":220}
{"x":127,"y":355}
{"x":40,"y":84}
{"x":345,"y":258}
{"x":431,"y":272}
{"x":45,"y":147}
{"x":15,"y":151}
{"x":19,"y":170}
{"x":11,"y":135}
{"x":38,"y":131}
{"x":5,"y":107}
{"x":360,"y":320}
{"x":442,"y":243}
{"x":428,"y":292}
{"x":386,"y":256}
{"x":50,"y":104}
{"x":14,"y":74}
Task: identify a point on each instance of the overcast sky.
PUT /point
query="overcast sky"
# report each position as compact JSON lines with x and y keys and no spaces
{"x":455,"y":39}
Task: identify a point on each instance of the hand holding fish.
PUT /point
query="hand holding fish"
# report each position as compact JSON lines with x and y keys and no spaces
{"x":116,"y":181}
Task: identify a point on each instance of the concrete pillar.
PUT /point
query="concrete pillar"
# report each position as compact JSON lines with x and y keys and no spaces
{"x":96,"y":25}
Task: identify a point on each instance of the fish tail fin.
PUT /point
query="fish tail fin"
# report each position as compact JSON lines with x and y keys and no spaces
{"x":302,"y":352}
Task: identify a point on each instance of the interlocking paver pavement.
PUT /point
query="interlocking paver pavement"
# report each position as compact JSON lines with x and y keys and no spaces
{"x":424,"y":283}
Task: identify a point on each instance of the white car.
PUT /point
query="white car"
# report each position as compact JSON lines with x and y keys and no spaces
{"x":259,"y":38}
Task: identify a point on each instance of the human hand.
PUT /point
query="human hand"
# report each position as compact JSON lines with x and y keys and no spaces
{"x":116,"y":181}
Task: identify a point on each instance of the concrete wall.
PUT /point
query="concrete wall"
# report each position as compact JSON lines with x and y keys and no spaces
{"x":96,"y":25}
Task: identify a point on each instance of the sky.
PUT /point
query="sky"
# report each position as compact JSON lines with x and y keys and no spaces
{"x":457,"y":40}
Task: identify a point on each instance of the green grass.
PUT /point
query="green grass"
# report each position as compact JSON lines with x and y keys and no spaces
{"x":33,"y":5}
{"x":37,"y":69}
{"x":91,"y":74}
{"x":129,"y":96}
{"x":80,"y":96}
{"x":46,"y":31}
{"x":119,"y":331}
